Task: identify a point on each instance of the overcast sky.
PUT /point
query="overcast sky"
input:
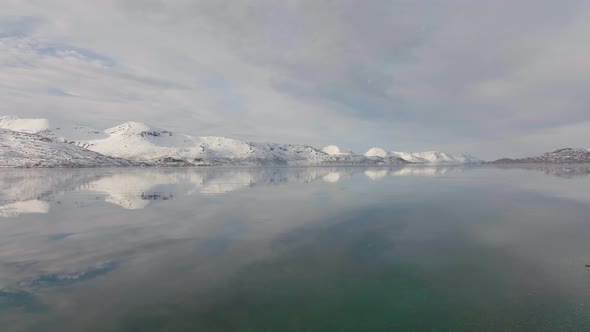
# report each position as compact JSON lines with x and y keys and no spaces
{"x":492,"y":78}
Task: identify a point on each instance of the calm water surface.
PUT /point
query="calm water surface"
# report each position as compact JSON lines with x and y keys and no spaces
{"x":295,"y":249}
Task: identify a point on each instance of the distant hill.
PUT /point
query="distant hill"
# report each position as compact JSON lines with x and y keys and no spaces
{"x":561,"y":156}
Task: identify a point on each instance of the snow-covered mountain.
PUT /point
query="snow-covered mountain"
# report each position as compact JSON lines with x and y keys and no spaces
{"x":138,"y":142}
{"x":337,"y":157}
{"x":21,"y":149}
{"x":141,"y":143}
{"x":333,"y":150}
{"x":566,"y":155}
{"x":429,"y":157}
{"x":30,"y":126}
{"x":376,"y":152}
{"x":436,"y":157}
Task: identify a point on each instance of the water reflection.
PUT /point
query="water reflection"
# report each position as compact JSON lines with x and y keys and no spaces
{"x":468,"y":248}
{"x":27,"y":191}
{"x":17,"y":208}
{"x":559,"y":170}
{"x":376,"y":174}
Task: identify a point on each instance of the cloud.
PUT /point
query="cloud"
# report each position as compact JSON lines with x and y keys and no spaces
{"x":405,"y":75}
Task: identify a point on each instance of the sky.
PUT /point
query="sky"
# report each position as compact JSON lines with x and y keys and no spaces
{"x":491,"y":78}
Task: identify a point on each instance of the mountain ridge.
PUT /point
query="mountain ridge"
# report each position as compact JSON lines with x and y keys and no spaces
{"x":140,"y":143}
{"x":559,"y":156}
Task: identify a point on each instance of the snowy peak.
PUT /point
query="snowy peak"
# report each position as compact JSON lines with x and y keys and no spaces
{"x":334,"y":150}
{"x":129,"y":128}
{"x":380,"y":154}
{"x":428,"y":157}
{"x":376,"y":152}
{"x":56,"y":131}
{"x":437,"y":157}
{"x":31,"y":126}
{"x":331,"y":150}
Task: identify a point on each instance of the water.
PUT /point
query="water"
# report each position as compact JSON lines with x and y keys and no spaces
{"x":295,"y":249}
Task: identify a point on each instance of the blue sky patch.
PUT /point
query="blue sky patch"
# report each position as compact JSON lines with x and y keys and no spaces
{"x":18,"y":26}
{"x":60,"y":50}
{"x":58,"y":92}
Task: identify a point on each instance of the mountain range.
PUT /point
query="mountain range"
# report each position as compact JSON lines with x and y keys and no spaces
{"x":40,"y":143}
{"x":561,"y":156}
